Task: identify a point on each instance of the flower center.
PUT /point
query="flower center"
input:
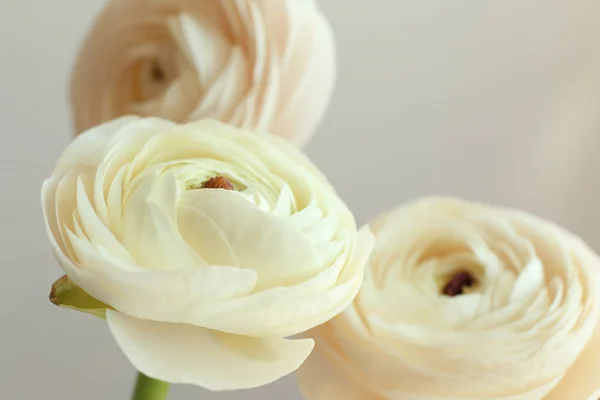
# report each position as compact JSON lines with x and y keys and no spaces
{"x":157,"y":72}
{"x":458,"y":282}
{"x":218,"y":182}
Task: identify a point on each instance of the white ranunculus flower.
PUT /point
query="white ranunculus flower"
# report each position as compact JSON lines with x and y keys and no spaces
{"x":463,"y":301}
{"x":208,"y":246}
{"x":266,"y":65}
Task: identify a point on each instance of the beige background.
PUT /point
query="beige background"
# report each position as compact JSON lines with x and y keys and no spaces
{"x":495,"y":100}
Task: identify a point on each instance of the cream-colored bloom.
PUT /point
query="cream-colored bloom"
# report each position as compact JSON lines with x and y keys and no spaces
{"x":266,"y":65}
{"x":463,"y":301}
{"x":202,"y":284}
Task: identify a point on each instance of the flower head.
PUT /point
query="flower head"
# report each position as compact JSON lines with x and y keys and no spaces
{"x":207,"y":245}
{"x":465,"y":301}
{"x":266,"y":65}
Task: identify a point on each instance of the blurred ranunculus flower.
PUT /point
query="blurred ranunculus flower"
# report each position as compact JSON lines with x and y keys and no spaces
{"x":463,"y":301}
{"x":203,"y":245}
{"x":266,"y":65}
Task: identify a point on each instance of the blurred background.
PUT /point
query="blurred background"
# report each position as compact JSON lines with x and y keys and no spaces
{"x":497,"y":101}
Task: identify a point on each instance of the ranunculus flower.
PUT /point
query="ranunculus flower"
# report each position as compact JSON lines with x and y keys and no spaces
{"x":205,"y":247}
{"x":266,"y":65}
{"x":463,"y":301}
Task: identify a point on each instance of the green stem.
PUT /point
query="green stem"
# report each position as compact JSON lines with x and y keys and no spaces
{"x":150,"y":389}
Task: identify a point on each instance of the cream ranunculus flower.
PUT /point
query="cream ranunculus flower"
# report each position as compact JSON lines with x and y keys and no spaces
{"x":266,"y":65}
{"x":463,"y":301}
{"x":206,"y":245}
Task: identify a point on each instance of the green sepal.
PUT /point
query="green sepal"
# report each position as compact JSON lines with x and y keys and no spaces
{"x":65,"y":293}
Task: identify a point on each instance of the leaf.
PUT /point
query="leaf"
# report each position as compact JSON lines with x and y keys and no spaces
{"x":65,"y":293}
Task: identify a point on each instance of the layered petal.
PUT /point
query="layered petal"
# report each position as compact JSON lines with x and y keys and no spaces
{"x":581,"y":379}
{"x":215,"y":360}
{"x":86,"y":150}
{"x":318,"y":381}
{"x":286,"y":311}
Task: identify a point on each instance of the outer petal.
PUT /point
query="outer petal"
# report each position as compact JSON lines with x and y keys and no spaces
{"x":161,"y":295}
{"x":180,"y":353}
{"x":286,"y":311}
{"x":86,"y":149}
{"x":582,"y":381}
{"x":276,"y":153}
{"x":318,"y":381}
{"x":309,"y":73}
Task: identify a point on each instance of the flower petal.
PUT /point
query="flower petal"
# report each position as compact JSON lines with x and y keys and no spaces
{"x":98,"y":233}
{"x":582,"y":380}
{"x":86,"y":149}
{"x":285,"y":311}
{"x":206,"y":48}
{"x":179,"y":353}
{"x":309,"y":72}
{"x":158,"y":295}
{"x":318,"y":381}
{"x":150,"y":236}
{"x":281,"y":255}
{"x":170,"y":296}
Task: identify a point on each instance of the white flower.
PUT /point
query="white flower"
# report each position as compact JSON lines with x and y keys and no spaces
{"x":463,"y":301}
{"x":202,"y":284}
{"x":266,"y":65}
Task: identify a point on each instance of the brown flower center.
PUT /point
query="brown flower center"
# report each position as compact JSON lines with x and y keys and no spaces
{"x":157,"y":72}
{"x":218,"y":182}
{"x":458,"y":282}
